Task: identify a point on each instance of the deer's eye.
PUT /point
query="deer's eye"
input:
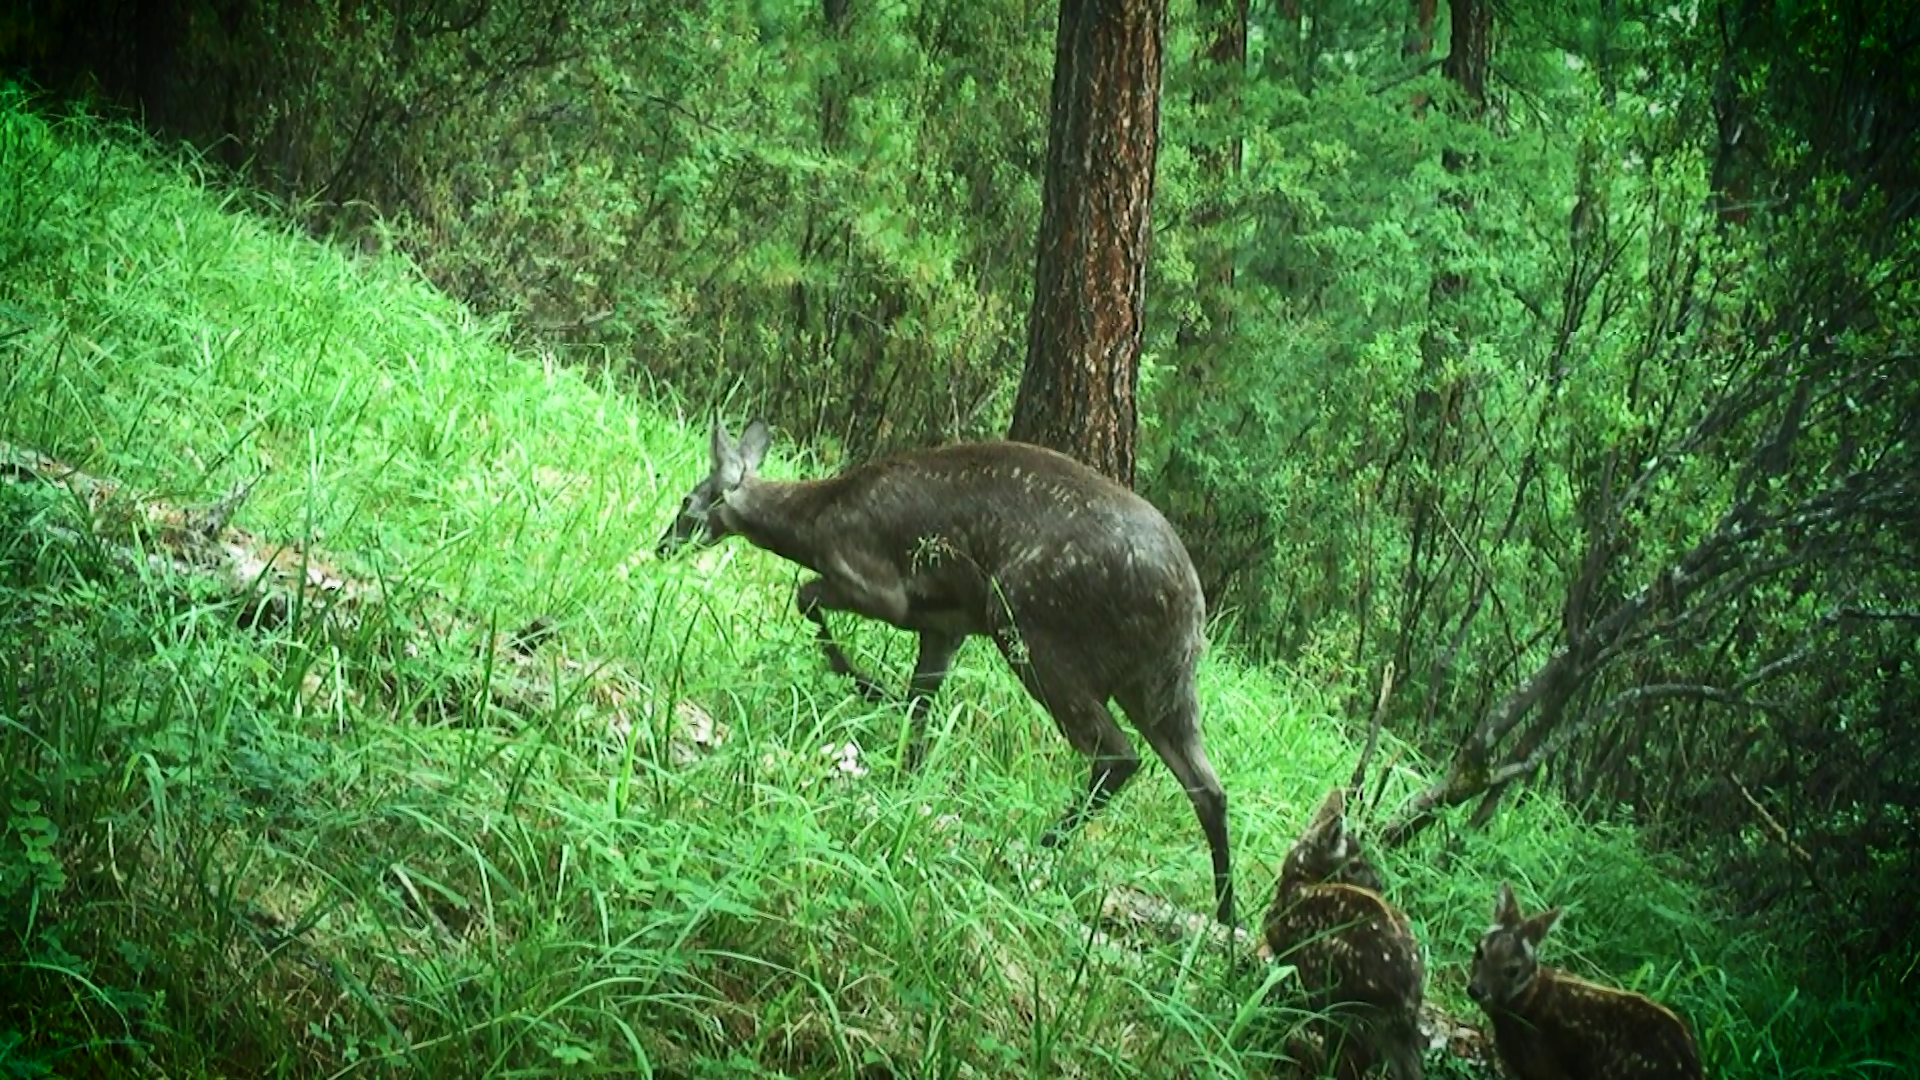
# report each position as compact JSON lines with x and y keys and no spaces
{"x":1513,"y":969}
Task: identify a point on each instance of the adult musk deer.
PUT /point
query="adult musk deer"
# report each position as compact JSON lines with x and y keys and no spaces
{"x":1354,"y":952}
{"x":1548,"y":1025}
{"x":1081,"y":584}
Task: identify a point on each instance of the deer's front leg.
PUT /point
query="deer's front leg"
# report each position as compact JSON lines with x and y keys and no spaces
{"x":929,"y":671}
{"x":814,"y":599}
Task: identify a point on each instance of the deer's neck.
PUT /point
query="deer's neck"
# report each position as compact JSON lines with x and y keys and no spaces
{"x":791,"y":518}
{"x":1538,"y":997}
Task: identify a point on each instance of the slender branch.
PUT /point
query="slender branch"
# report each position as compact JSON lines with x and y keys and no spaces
{"x":1773,"y":825}
{"x":1357,"y":785}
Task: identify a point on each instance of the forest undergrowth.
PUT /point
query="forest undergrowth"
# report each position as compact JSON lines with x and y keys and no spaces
{"x":329,"y":843}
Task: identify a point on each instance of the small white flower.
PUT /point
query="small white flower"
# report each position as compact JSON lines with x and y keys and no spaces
{"x":847,"y":758}
{"x":850,"y":762}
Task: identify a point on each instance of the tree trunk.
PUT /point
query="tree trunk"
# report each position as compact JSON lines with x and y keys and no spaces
{"x":1090,"y":277}
{"x":157,"y":25}
{"x":1471,"y":52}
{"x":1225,"y":61}
{"x":1419,"y":42}
{"x":1735,"y":152}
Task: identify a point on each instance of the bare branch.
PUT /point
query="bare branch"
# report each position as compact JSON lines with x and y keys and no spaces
{"x":1357,"y":785}
{"x":1773,"y":825}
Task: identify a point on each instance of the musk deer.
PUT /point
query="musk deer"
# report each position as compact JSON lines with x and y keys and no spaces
{"x":1548,"y":1025}
{"x":1354,"y":952}
{"x":1083,"y":586}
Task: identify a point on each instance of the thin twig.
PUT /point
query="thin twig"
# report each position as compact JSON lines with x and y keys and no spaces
{"x":1773,"y":825}
{"x":1356,"y":786}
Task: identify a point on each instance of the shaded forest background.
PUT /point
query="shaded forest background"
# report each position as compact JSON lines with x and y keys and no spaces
{"x":1555,"y":363}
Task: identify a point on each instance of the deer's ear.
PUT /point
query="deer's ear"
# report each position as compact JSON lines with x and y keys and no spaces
{"x":1334,"y":840}
{"x":1332,"y":809}
{"x":1506,"y":912}
{"x":728,"y":467}
{"x":1534,"y":930}
{"x":753,"y":444}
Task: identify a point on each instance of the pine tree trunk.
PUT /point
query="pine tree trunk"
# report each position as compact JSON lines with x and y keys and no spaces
{"x":1084,"y":331}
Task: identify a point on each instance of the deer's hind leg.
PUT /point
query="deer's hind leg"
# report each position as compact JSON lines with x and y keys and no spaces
{"x":1114,"y":763}
{"x":1090,"y":727}
{"x":1083,"y":717}
{"x":1174,"y":734}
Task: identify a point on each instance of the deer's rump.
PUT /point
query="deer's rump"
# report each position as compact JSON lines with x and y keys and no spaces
{"x":1022,"y":544}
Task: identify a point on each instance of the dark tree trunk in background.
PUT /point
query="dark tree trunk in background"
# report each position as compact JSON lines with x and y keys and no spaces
{"x":1471,"y":51}
{"x":836,"y":15}
{"x":1738,"y":153}
{"x":1218,"y":153}
{"x":1089,"y":297}
{"x":156,"y":25}
{"x":1419,"y":40}
{"x":1417,"y":46}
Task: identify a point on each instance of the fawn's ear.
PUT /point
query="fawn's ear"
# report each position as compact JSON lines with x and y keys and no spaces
{"x":1332,"y":809}
{"x":1506,"y":912}
{"x":1534,"y":930}
{"x":1328,"y":831}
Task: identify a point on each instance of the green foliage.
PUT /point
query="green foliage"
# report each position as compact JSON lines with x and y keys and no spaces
{"x":773,"y":197}
{"x":1486,"y":384}
{"x":246,"y":849}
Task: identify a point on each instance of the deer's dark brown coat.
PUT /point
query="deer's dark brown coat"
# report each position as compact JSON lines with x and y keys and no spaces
{"x":1082,"y":585}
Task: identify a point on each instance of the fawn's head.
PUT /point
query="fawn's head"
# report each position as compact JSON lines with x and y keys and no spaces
{"x":1506,"y":959}
{"x":1327,"y":853}
{"x":701,"y":521}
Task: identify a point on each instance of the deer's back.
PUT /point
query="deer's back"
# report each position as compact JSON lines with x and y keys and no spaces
{"x":1565,"y":1028}
{"x":1037,"y":530}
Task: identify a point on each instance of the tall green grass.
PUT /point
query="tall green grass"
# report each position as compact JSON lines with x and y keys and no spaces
{"x":325,"y":847}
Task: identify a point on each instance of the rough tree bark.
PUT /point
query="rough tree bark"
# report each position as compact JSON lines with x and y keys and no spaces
{"x":1089,"y":297}
{"x":1470,"y":53}
{"x":1419,"y":41}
